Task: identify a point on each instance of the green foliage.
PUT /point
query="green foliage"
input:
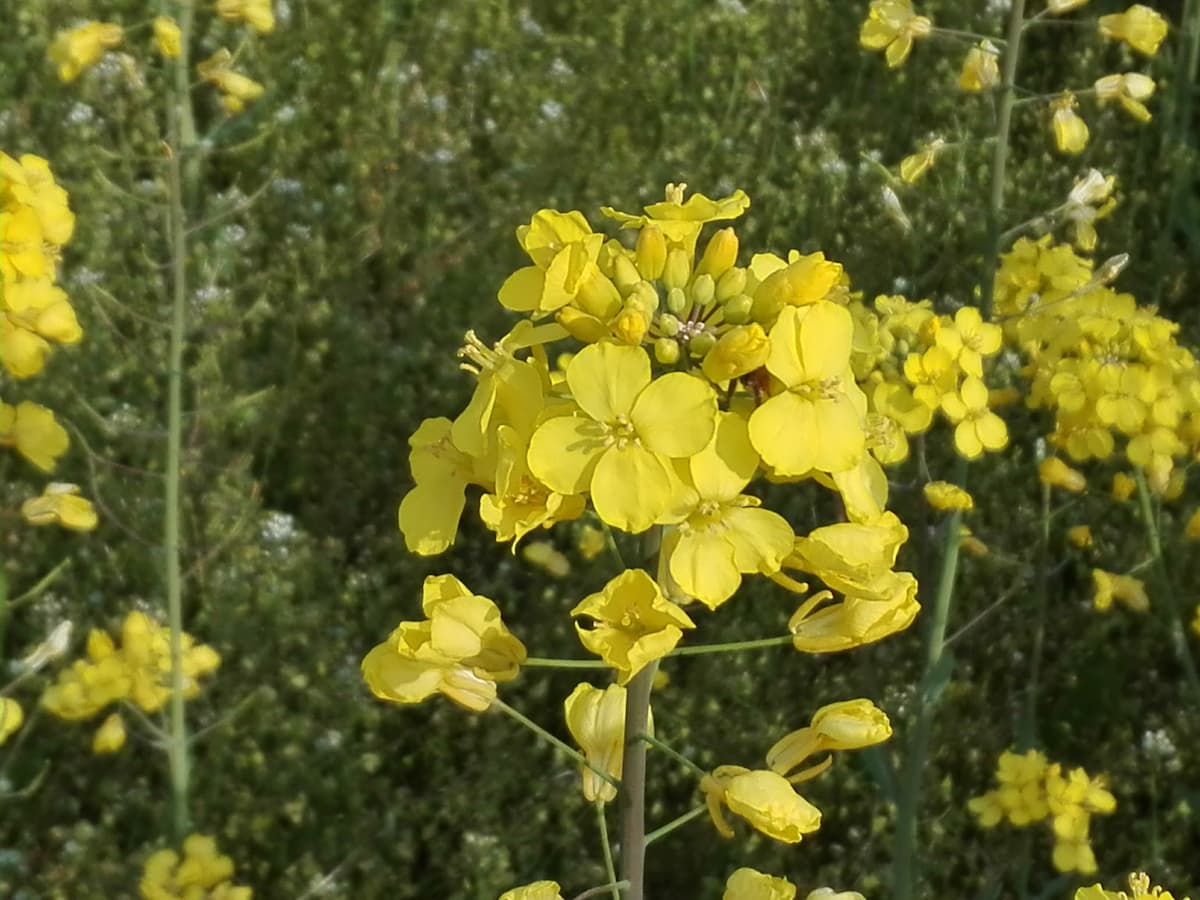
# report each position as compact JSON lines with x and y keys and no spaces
{"x":372,"y":195}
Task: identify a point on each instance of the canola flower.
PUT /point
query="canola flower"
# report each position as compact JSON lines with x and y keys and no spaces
{"x":1030,"y":789}
{"x":892,"y":26}
{"x":1140,"y":887}
{"x":78,"y":49}
{"x":750,"y":884}
{"x":201,"y":873}
{"x":136,"y":671}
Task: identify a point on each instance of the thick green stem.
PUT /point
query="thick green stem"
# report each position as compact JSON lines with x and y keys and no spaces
{"x":633,"y":782}
{"x":1166,"y":588}
{"x":181,"y":138}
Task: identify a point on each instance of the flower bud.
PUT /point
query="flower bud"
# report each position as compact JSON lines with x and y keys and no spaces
{"x":738,"y":351}
{"x":720,"y":254}
{"x":1056,"y":473}
{"x":731,"y":284}
{"x":110,"y":736}
{"x":584,"y":328}
{"x":701,"y":344}
{"x":598,"y":296}
{"x":703,"y":290}
{"x":625,"y":274}
{"x":677,"y":301}
{"x":651,"y":252}
{"x":643,"y":298}
{"x":678,"y":269}
{"x":666,"y":351}
{"x":737,"y":310}
{"x":630,"y":327}
{"x":668,"y":325}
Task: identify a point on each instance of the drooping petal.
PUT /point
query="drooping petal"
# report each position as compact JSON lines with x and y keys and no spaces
{"x":702,"y":564}
{"x":760,"y":538}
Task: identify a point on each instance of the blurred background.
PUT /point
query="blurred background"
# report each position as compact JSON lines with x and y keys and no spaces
{"x":363,"y":215}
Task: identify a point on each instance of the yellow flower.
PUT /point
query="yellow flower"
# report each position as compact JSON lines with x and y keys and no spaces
{"x":596,"y":720}
{"x":1123,"y":486}
{"x":748,"y":884}
{"x":913,"y":168}
{"x":1140,"y":27}
{"x":236,"y":89}
{"x":977,"y":428}
{"x":256,"y":13}
{"x":168,"y":39}
{"x":1058,"y":7}
{"x":34,"y":431}
{"x":848,"y":725}
{"x":1070,"y":131}
{"x":11,"y":717}
{"x":892,"y":26}
{"x":740,"y":350}
{"x":629,"y":623}
{"x":763,"y":798}
{"x":1129,"y":90}
{"x":681,"y":220}
{"x":945,"y":497}
{"x":590,"y":542}
{"x":1124,"y":588}
{"x":110,"y":736}
{"x":1056,"y":473}
{"x":203,"y":872}
{"x":817,"y":421}
{"x":969,"y":340}
{"x":81,"y":48}
{"x":1090,"y":199}
{"x":620,"y":447}
{"x":60,"y":503}
{"x":1080,"y":536}
{"x":538,"y":890}
{"x":981,"y":68}
{"x":724,"y":534}
{"x":462,"y":650}
{"x":30,"y":184}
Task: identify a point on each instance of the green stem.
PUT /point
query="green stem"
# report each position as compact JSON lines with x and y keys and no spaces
{"x":546,"y":662}
{"x":616,"y":887}
{"x":673,"y":753}
{"x":1027,"y":726}
{"x":549,"y":663}
{"x":633,"y":779}
{"x":1007,"y":98}
{"x":610,"y":868}
{"x":553,"y":741}
{"x":181,"y":185}
{"x":664,"y":830}
{"x":1174,"y":619}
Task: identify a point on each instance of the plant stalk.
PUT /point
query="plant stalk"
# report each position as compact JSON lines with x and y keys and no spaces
{"x":633,"y":782}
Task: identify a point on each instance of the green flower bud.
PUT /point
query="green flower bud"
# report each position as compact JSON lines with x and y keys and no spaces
{"x":677,"y":301}
{"x":644,"y":298}
{"x":701,"y":344}
{"x":703,"y":290}
{"x":737,"y":310}
{"x":668,"y":325}
{"x":731,"y":284}
{"x":720,"y":254}
{"x":625,"y":274}
{"x":666,"y":351}
{"x":678,"y":269}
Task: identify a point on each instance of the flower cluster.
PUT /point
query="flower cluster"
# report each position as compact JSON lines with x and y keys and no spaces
{"x":77,"y":49}
{"x":203,"y":873}
{"x":138,"y":672}
{"x":913,"y":363}
{"x":1030,"y":789}
{"x":1110,"y":370}
{"x":1139,"y":887}
{"x":766,"y":797}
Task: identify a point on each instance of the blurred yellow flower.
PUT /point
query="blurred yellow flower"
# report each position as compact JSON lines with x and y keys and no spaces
{"x":1129,"y":90}
{"x":748,"y":884}
{"x":34,"y":431}
{"x":168,"y":39}
{"x":81,"y":48}
{"x":255,"y":13}
{"x":1123,"y":486}
{"x":1080,"y":536}
{"x":914,"y":167}
{"x":110,"y":736}
{"x":1140,"y":27}
{"x":538,"y":890}
{"x":981,"y":68}
{"x":763,"y":798}
{"x":60,"y":503}
{"x":947,"y":497}
{"x":1070,"y":131}
{"x":892,"y":26}
{"x":11,"y":717}
{"x":1123,"y":588}
{"x":1056,"y":473}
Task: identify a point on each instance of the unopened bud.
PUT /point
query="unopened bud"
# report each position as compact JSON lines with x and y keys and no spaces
{"x":625,"y":274}
{"x":677,"y":301}
{"x":701,"y":344}
{"x":731,"y":284}
{"x":1111,"y":268}
{"x":703,"y":290}
{"x":630,"y":327}
{"x":720,"y":254}
{"x":678,"y":268}
{"x":737,"y":310}
{"x":643,"y":298}
{"x":666,"y":351}
{"x":738,"y":351}
{"x":651,"y":252}
{"x":598,"y":296}
{"x":668,"y":325}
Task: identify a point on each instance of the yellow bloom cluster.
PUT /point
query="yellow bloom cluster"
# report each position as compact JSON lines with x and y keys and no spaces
{"x":138,"y":672}
{"x":462,"y":649}
{"x":203,"y":873}
{"x":1030,"y":789}
{"x":78,"y":49}
{"x":1139,"y":887}
{"x":1109,"y":369}
{"x":235,"y":88}
{"x":912,"y":363}
{"x":1125,"y":589}
{"x":766,"y":798}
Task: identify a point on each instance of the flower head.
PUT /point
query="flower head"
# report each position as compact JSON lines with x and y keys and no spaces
{"x":596,"y":720}
{"x":892,"y":26}
{"x":1140,"y":27}
{"x":81,"y":48}
{"x":763,"y":798}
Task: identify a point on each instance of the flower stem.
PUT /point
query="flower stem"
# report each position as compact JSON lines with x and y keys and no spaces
{"x":616,"y":887}
{"x":610,"y":868}
{"x":181,"y":138}
{"x":673,"y":753}
{"x":1174,"y":618}
{"x":552,"y":740}
{"x":664,"y":830}
{"x":1027,"y":726}
{"x":550,"y":663}
{"x":633,"y":779}
{"x":732,"y":646}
